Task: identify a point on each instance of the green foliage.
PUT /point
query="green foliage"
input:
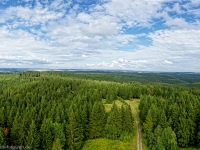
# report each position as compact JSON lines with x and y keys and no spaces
{"x":198,"y":139}
{"x":74,"y":131}
{"x":37,"y":108}
{"x":32,"y":138}
{"x":114,"y":123}
{"x":178,"y":112}
{"x":148,"y":125}
{"x":97,"y":120}
{"x":127,"y":118}
{"x":162,"y":119}
{"x":105,"y":144}
{"x":56,"y":145}
{"x":2,"y":140}
{"x":46,"y":138}
{"x":159,"y":144}
{"x":59,"y":133}
{"x":169,"y":139}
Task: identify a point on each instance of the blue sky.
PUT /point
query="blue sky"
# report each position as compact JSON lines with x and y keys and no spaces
{"x":143,"y":35}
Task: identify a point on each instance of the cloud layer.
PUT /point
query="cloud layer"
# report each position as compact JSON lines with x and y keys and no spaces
{"x":158,"y":35}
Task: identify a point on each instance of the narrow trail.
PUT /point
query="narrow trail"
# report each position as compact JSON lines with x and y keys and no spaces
{"x":139,"y":134}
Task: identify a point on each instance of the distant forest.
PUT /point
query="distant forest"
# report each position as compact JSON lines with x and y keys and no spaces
{"x":60,"y":110}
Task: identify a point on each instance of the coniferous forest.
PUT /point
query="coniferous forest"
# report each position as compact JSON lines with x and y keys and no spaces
{"x":60,"y":110}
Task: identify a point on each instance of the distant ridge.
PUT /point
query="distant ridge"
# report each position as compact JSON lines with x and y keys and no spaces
{"x":87,"y":70}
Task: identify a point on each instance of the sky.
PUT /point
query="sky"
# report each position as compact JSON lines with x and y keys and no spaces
{"x":139,"y":35}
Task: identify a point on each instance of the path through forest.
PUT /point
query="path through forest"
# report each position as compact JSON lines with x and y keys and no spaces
{"x":139,"y":134}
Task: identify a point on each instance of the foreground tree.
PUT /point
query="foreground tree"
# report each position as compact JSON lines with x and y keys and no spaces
{"x":97,"y":120}
{"x":114,"y":123}
{"x":32,"y":138}
{"x":74,"y":131}
{"x":46,"y":138}
{"x":169,"y":139}
{"x":127,"y":118}
{"x":56,"y":145}
{"x":2,"y":141}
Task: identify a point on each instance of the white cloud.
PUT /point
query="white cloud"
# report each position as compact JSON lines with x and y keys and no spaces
{"x":64,"y":34}
{"x":90,"y":65}
{"x":167,"y":62}
{"x":84,"y":56}
{"x":181,"y":23}
{"x":132,"y":12}
{"x":122,"y":63}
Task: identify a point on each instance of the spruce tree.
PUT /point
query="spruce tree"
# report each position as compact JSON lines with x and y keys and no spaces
{"x":84,"y":119}
{"x":182,"y":132}
{"x":169,"y":139}
{"x":97,"y":120}
{"x":162,"y":121}
{"x":114,"y":122}
{"x":159,"y":144}
{"x":58,"y":133}
{"x":198,"y":139}
{"x":2,"y":117}
{"x":32,"y":138}
{"x":46,"y":138}
{"x":127,"y":118}
{"x":14,"y":135}
{"x":56,"y":145}
{"x":2,"y":140}
{"x":148,"y":124}
{"x":74,"y":131}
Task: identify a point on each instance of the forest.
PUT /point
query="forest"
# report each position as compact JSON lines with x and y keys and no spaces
{"x":61,"y":110}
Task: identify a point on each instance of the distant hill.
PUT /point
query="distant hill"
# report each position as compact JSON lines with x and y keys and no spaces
{"x":173,"y":78}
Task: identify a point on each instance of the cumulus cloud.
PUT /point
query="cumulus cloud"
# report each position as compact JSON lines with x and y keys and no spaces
{"x":105,"y":34}
{"x":121,"y":63}
{"x":167,"y":62}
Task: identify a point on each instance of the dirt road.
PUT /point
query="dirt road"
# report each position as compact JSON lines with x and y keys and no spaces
{"x":139,"y":134}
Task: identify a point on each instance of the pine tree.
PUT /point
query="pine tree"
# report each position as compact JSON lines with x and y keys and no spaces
{"x":32,"y":138}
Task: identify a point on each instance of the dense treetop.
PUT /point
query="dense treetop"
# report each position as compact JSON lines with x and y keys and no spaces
{"x":46,"y":110}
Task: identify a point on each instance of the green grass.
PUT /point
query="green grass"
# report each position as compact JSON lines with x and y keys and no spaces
{"x":135,"y":103}
{"x":109,"y":106}
{"x":189,"y":148}
{"x":105,"y":144}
